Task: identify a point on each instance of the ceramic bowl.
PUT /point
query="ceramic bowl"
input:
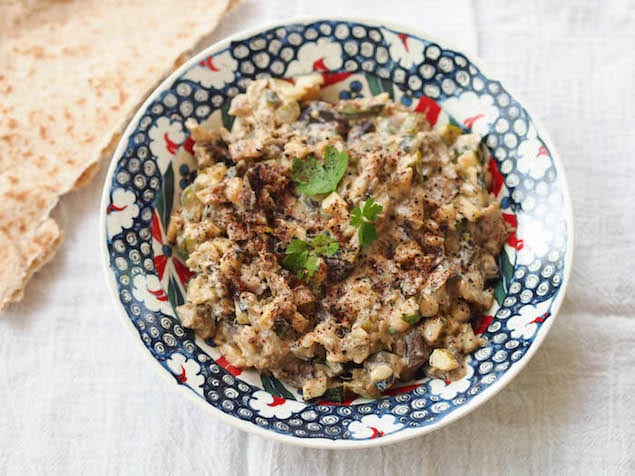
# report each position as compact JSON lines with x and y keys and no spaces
{"x":153,"y":163}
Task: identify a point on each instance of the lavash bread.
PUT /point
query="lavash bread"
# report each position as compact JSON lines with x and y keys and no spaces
{"x":70,"y":74}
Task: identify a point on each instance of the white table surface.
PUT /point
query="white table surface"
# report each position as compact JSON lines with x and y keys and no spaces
{"x":77,"y":397}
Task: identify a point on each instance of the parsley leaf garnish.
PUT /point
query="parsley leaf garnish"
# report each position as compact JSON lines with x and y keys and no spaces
{"x":301,"y":256}
{"x":313,"y":178}
{"x":296,"y":255}
{"x":363,"y":219}
{"x":367,"y":233}
{"x":310,"y":267}
{"x":325,"y":245}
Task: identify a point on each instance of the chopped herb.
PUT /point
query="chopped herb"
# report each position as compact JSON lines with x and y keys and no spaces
{"x":351,"y":112}
{"x":411,"y":318}
{"x":301,"y":256}
{"x":280,"y":327}
{"x":271,"y":97}
{"x":315,"y":178}
{"x":363,"y":219}
{"x":184,"y":246}
{"x":450,"y":134}
{"x":410,"y":125}
{"x":337,"y":394}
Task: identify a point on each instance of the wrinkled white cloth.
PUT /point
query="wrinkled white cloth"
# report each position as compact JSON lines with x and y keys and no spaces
{"x":77,"y":397}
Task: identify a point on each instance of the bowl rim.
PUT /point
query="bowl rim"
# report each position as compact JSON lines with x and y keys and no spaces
{"x":323,"y":443}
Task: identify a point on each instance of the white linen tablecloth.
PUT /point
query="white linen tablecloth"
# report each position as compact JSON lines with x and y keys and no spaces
{"x":77,"y":397}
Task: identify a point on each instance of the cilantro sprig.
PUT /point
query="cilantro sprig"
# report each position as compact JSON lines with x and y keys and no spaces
{"x":314,"y":178}
{"x":301,"y":256}
{"x":364,"y":219}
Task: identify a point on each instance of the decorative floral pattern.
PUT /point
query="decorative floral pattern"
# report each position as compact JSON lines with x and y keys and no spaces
{"x":477,"y":113}
{"x":525,"y":324}
{"x":165,"y":138}
{"x":322,"y":55}
{"x":121,"y":211}
{"x":154,"y":163}
{"x":163,"y":255}
{"x":533,"y":157}
{"x":373,"y":426}
{"x":215,"y":71}
{"x":148,"y":290}
{"x":186,"y":372}
{"x":268,"y":405}
{"x":404,"y":49}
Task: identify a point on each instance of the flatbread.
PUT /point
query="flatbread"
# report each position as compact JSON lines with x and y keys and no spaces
{"x":70,"y":73}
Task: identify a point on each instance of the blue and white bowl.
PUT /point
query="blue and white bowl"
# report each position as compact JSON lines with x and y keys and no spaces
{"x":153,"y":163}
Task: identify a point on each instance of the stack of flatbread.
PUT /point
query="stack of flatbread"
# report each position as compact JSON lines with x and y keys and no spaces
{"x":71,"y":72}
